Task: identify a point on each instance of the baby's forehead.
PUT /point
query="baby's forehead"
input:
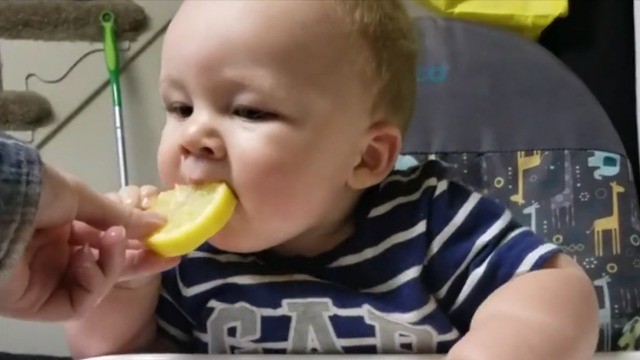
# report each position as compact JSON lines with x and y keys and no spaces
{"x":289,"y":50}
{"x":287,"y":28}
{"x":317,"y":21}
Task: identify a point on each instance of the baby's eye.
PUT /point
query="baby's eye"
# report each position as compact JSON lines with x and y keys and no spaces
{"x":251,"y":113}
{"x":181,"y":110}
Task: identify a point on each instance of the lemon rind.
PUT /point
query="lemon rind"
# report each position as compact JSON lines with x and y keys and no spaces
{"x":182,"y":241}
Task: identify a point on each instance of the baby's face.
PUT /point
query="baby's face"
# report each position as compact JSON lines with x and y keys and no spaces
{"x":265,"y":96}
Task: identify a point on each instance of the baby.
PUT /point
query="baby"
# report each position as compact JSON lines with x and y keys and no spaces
{"x":300,"y":106}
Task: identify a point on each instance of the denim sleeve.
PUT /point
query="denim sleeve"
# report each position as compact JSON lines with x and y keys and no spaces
{"x":20,"y":184}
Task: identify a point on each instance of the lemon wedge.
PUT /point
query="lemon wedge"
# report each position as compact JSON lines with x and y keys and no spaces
{"x":194,"y":214}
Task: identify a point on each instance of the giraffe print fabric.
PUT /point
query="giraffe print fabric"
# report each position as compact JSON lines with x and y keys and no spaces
{"x":583,"y":201}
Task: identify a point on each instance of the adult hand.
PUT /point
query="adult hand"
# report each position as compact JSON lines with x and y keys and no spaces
{"x":69,"y":264}
{"x":64,"y":199}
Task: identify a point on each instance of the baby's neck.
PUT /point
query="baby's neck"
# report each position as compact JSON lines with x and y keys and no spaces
{"x":315,"y":242}
{"x":323,"y":237}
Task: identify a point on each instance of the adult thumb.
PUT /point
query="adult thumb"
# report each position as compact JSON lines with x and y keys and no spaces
{"x":102,"y":213}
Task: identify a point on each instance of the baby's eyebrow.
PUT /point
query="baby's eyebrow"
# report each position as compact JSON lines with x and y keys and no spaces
{"x":257,"y":80}
{"x":268,"y":86}
{"x":170,"y":83}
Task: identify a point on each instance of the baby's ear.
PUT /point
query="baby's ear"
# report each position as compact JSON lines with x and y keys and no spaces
{"x":380,"y":149}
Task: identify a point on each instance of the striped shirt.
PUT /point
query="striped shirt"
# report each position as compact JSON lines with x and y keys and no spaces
{"x":424,"y":254}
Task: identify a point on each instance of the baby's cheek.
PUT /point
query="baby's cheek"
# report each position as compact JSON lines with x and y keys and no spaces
{"x":168,"y":169}
{"x":274,"y":193}
{"x":168,"y":156}
{"x":277,"y":184}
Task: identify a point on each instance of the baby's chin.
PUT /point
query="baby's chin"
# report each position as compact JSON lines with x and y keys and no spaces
{"x":233,"y":244}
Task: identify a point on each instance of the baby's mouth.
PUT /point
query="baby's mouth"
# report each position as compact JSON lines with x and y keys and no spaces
{"x":197,"y":171}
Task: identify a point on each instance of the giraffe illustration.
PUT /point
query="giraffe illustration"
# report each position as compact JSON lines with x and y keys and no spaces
{"x":564,"y":199}
{"x":604,"y":313}
{"x":630,"y":335}
{"x":531,"y":210}
{"x":525,"y":162}
{"x":611,"y":223}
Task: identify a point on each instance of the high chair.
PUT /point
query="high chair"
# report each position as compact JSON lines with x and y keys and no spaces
{"x":513,"y":123}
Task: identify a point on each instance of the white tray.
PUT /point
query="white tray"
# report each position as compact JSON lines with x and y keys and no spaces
{"x":601,"y":356}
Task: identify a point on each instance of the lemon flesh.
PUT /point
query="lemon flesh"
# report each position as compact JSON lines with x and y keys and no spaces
{"x":194,"y":214}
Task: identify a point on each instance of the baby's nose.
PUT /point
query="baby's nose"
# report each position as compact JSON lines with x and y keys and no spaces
{"x":202,"y":139}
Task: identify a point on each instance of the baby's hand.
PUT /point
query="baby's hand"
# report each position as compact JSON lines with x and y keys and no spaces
{"x":137,"y":197}
{"x":143,"y":265}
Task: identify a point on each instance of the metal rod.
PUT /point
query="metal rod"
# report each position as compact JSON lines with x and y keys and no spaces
{"x":121,"y":147}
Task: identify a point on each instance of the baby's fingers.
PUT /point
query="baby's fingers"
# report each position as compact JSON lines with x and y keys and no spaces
{"x":148,"y":193}
{"x":130,"y":196}
{"x":138,"y":197}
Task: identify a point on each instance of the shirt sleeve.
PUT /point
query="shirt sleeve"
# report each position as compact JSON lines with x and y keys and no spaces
{"x":475,"y":247}
{"x":20,"y":185}
{"x":173,"y":322}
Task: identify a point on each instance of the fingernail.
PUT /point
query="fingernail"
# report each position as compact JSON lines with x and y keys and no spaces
{"x":86,"y":249}
{"x":146,"y":202}
{"x":116,"y":231}
{"x":87,"y":256}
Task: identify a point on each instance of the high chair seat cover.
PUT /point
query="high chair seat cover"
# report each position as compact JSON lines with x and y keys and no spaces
{"x":513,"y":123}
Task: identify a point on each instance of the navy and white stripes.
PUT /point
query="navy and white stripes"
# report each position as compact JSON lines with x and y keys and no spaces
{"x":424,"y":255}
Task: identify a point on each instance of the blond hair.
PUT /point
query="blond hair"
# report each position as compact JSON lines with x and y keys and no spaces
{"x":385,"y":29}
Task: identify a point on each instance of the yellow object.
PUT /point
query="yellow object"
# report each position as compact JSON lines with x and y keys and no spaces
{"x":527,"y":17}
{"x":194,"y":214}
